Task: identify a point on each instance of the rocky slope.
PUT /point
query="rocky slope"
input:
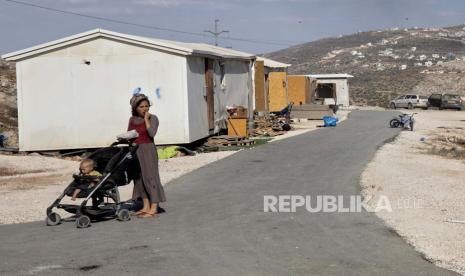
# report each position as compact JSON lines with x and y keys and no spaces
{"x":8,"y":109}
{"x":387,"y":63}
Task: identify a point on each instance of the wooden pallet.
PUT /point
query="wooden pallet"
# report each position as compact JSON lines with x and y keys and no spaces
{"x":238,"y":143}
{"x":228,"y":141}
{"x":227,"y":138}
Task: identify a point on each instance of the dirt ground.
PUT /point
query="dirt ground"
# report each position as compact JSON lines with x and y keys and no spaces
{"x":423,"y":175}
{"x":26,"y":195}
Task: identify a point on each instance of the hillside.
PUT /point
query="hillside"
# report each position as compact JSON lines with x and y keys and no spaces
{"x":386,"y":63}
{"x":8,"y":110}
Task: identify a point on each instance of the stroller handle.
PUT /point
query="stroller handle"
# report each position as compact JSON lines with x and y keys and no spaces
{"x":129,"y":142}
{"x":121,"y":141}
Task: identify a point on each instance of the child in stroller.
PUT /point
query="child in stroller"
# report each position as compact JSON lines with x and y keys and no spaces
{"x":119,"y":166}
{"x":86,"y":168}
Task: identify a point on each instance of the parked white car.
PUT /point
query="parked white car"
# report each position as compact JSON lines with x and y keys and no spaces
{"x":409,"y":101}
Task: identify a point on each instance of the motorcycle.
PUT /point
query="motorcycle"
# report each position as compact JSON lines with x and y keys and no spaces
{"x":404,"y":121}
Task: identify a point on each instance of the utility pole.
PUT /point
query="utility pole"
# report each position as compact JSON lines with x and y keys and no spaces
{"x":216,"y":33}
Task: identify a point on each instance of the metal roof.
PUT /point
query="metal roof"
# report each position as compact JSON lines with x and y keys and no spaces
{"x":176,"y":47}
{"x":330,"y":76}
{"x":273,"y":63}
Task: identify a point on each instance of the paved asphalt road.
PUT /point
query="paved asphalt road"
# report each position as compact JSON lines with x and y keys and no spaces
{"x":215,"y":224}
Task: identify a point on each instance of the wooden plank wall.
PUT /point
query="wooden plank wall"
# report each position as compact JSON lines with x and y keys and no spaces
{"x":298,"y":89}
{"x":277,"y":91}
{"x":260,"y":99}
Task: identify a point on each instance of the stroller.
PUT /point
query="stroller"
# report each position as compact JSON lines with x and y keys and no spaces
{"x":119,"y":166}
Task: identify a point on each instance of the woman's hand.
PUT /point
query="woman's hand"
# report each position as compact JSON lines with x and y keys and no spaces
{"x":147,"y":120}
{"x":147,"y":116}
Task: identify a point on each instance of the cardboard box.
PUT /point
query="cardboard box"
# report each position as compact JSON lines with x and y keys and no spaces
{"x":237,"y":127}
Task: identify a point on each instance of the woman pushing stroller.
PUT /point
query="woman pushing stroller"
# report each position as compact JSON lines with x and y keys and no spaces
{"x":108,"y":168}
{"x":148,"y":185}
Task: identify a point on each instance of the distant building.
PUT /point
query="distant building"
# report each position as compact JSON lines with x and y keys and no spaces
{"x":321,"y":89}
{"x":331,"y":86}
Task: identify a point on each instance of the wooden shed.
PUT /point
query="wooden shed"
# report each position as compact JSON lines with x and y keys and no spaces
{"x":270,"y":85}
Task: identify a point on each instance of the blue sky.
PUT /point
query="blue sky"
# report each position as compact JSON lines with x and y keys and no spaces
{"x":284,"y":22}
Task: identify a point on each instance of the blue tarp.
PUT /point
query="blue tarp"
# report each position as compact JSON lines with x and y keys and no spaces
{"x":330,"y":121}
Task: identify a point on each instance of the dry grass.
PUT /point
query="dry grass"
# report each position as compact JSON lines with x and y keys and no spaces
{"x":7,"y":172}
{"x":449,"y":144}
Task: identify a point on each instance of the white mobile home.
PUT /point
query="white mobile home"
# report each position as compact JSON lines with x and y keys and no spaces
{"x":332,"y":86}
{"x":74,"y":92}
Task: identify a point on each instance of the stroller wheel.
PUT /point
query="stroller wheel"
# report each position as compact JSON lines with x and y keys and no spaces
{"x":83,"y":221}
{"x":123,"y":215}
{"x":53,"y":219}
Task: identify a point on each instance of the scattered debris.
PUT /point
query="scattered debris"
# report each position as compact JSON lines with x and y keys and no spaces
{"x":265,"y":127}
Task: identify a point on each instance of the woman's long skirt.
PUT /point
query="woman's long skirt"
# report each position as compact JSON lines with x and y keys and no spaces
{"x":148,"y":185}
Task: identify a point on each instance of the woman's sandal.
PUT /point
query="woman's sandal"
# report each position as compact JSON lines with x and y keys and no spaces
{"x":147,"y":215}
{"x":140,"y":212}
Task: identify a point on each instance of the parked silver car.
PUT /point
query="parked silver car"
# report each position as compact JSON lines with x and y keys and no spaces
{"x":409,"y":101}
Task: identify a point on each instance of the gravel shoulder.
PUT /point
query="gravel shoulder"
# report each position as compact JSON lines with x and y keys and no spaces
{"x":425,"y":189}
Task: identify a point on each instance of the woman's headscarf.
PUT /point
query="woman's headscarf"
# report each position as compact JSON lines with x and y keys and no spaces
{"x":136,"y":99}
